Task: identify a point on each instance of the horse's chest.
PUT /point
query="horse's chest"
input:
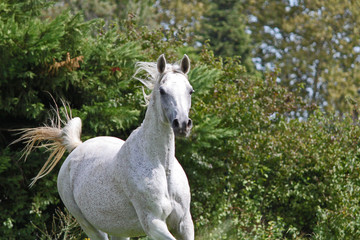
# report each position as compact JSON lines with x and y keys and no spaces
{"x":146,"y":182}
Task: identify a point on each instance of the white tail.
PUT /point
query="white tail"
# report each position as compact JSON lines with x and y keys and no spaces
{"x":55,"y":138}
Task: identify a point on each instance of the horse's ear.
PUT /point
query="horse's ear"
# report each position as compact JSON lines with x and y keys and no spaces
{"x":185,"y":64}
{"x":161,"y":63}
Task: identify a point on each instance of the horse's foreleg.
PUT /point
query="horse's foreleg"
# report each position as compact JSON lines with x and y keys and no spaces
{"x":157,"y":229}
{"x":152,"y":220}
{"x":185,"y":230}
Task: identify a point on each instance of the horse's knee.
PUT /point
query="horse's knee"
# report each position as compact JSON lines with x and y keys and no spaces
{"x":185,"y":229}
{"x":157,"y":229}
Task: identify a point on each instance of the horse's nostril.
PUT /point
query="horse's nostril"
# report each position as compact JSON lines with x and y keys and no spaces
{"x":189,"y":124}
{"x":176,"y":123}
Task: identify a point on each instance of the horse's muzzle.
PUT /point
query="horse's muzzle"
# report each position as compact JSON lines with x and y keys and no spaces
{"x":182,"y":128}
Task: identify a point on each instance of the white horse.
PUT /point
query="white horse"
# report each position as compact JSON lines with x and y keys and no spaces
{"x":132,"y":188}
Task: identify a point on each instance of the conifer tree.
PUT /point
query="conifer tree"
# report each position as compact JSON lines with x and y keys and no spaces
{"x":224,"y":25}
{"x":69,"y":58}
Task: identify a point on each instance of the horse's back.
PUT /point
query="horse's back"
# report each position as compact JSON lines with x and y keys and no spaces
{"x":98,"y":149}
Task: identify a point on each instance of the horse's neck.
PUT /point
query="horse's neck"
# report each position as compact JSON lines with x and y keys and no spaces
{"x":157,"y":137}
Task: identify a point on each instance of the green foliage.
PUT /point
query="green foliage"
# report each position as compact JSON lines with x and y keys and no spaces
{"x":310,"y":41}
{"x":20,"y":206}
{"x":28,"y":46}
{"x":68,"y":58}
{"x":224,"y":25}
{"x":266,"y":176}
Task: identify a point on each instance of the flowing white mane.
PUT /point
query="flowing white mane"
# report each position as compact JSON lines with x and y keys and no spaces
{"x":152,"y":75}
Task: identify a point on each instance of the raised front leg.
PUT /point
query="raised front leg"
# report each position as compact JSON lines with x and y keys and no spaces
{"x":157,"y":229}
{"x":152,"y":219}
{"x":185,"y":230}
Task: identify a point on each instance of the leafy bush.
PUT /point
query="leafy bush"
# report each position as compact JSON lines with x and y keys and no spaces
{"x":265,"y":175}
{"x":68,"y":58}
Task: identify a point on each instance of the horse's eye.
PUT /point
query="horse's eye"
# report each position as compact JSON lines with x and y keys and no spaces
{"x":162,"y":91}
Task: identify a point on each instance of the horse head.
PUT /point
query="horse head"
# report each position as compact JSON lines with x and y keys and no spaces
{"x":174,"y":92}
